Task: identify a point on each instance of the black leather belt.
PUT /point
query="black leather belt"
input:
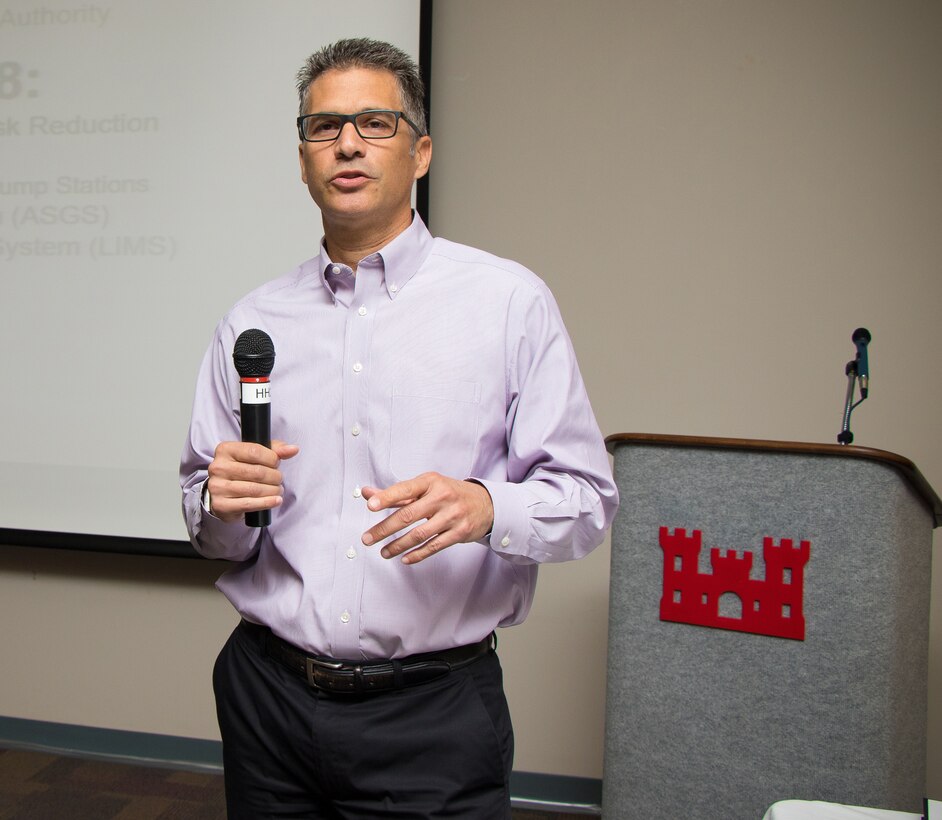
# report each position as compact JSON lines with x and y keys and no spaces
{"x":362,"y":677}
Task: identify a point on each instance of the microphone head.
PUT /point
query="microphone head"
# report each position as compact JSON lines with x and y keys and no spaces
{"x":861,"y":339}
{"x":861,"y":336}
{"x":254,"y":354}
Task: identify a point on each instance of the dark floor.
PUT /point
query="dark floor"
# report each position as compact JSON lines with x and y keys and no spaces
{"x":41,"y":786}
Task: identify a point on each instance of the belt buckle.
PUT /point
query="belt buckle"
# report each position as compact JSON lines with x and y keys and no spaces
{"x":314,"y":665}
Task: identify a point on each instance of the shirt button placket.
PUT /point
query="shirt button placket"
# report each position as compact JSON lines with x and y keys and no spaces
{"x":350,"y":569}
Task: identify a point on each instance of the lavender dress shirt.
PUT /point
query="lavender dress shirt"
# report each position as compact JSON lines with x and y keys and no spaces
{"x":432,"y":356}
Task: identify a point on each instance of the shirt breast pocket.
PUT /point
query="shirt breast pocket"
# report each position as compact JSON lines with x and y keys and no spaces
{"x":434,"y":428}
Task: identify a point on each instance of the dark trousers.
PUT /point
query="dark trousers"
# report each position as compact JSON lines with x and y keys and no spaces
{"x":439,"y":749}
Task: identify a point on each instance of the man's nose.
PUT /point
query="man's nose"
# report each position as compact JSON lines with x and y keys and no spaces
{"x":348,"y":142}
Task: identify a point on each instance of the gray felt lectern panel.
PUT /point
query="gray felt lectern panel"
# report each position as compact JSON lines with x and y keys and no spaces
{"x":718,"y":724}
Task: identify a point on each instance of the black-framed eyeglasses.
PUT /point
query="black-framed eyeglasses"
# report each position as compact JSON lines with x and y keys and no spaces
{"x":371,"y":125}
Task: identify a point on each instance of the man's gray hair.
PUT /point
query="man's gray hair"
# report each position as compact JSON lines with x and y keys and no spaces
{"x":361,"y":52}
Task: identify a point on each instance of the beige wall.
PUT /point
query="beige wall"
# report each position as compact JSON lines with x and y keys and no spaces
{"x":114,"y":641}
{"x":718,"y":193}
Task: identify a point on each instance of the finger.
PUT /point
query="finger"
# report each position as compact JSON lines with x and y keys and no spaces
{"x":442,"y":528}
{"x":224,"y":488}
{"x":230,"y":509}
{"x":413,"y":554}
{"x":393,"y":523}
{"x":403,"y":518}
{"x":370,"y":492}
{"x":246,"y":452}
{"x":283,"y":450}
{"x":396,"y":494}
{"x":229,"y":471}
{"x":427,"y":550}
{"x":245,"y":503}
{"x":404,"y":547}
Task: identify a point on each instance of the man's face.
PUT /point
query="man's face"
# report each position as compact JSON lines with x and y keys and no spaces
{"x":355,"y":182}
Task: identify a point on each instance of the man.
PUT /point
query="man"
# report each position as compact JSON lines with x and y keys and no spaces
{"x":441,"y":447}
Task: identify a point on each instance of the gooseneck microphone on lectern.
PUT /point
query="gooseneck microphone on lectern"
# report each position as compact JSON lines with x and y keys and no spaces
{"x":254,"y":357}
{"x":857,"y":371}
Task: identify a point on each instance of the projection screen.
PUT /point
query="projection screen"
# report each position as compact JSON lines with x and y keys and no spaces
{"x":149,"y":178}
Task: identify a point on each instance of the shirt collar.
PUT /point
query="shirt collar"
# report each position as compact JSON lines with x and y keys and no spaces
{"x":401,"y":259}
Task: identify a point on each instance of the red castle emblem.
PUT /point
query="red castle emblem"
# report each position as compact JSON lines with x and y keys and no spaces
{"x":773,"y":606}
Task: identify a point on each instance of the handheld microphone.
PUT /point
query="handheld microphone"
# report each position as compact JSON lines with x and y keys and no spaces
{"x":861,"y":338}
{"x":254,"y":357}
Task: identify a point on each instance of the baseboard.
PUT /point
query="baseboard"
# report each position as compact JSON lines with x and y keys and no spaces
{"x":142,"y":748}
{"x":556,"y":792}
{"x":577,"y":795}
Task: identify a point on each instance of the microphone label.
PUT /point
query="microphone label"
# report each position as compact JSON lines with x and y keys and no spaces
{"x":256,"y":392}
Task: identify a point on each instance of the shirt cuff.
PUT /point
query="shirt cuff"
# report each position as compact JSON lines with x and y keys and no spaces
{"x":509,"y":535}
{"x":212,"y":537}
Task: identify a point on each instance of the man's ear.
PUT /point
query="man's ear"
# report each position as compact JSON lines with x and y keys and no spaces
{"x":423,"y":156}
{"x":301,"y":160}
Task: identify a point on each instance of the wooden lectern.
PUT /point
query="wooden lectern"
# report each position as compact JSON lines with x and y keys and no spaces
{"x":768,"y":628}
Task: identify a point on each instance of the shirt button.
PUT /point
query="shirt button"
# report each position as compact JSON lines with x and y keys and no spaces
{"x":357,"y":492}
{"x":357,"y":367}
{"x":351,"y":553}
{"x":362,"y":310}
{"x":505,"y":541}
{"x":355,"y":430}
{"x":393,"y":288}
{"x":335,"y":270}
{"x":345,"y":617}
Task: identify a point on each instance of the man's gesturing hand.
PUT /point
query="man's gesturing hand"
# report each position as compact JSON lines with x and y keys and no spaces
{"x":244,"y":477}
{"x":453,"y":511}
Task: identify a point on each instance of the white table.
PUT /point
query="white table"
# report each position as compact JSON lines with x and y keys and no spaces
{"x":816,"y":810}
